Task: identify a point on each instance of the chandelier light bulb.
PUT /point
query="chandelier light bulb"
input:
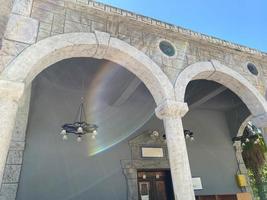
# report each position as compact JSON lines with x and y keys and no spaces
{"x":155,"y":133}
{"x":187,"y":136}
{"x":192,"y":138}
{"x":65,"y":137}
{"x":95,"y":133}
{"x":243,"y":144}
{"x":80,"y":130}
{"x":144,"y":176}
{"x":63,"y":132}
{"x":79,"y":139}
{"x":255,"y":142}
{"x":247,"y":140}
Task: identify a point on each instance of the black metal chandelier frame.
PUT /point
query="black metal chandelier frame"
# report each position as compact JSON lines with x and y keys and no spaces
{"x":80,"y":127}
{"x":251,"y":134}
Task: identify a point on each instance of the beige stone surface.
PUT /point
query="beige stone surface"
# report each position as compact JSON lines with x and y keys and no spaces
{"x":21,"y":29}
{"x":22,"y":7}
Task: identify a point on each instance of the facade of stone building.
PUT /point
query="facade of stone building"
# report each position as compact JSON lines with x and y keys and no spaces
{"x":36,"y":34}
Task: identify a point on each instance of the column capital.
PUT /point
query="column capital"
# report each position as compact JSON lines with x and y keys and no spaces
{"x":170,"y":108}
{"x":11,"y":90}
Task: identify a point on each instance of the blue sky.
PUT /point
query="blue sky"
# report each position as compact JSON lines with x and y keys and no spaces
{"x":239,"y":21}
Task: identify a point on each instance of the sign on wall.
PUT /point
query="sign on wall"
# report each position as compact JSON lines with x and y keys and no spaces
{"x":197,"y":184}
{"x":152,"y":152}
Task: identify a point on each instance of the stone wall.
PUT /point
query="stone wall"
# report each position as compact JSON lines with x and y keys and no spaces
{"x":144,"y":33}
{"x":59,"y":16}
{"x":5,"y":10}
{"x":16,"y":150}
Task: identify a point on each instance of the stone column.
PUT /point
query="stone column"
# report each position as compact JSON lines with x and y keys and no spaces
{"x":10,"y":93}
{"x":171,"y":113}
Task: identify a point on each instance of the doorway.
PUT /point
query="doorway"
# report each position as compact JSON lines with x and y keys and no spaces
{"x":155,"y":185}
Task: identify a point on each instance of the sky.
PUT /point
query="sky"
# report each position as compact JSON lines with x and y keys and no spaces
{"x":240,"y":21}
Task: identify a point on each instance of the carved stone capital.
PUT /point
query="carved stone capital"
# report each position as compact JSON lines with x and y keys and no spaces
{"x":171,"y":109}
{"x":11,"y":90}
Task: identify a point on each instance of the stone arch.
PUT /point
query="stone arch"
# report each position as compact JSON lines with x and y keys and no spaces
{"x":238,"y":153}
{"x":99,"y":45}
{"x":243,"y":126}
{"x":215,"y":71}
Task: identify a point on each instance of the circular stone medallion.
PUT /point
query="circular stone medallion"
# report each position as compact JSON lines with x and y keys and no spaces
{"x":253,"y":69}
{"x":167,"y":48}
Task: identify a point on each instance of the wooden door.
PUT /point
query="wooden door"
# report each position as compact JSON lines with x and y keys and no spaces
{"x":155,"y":185}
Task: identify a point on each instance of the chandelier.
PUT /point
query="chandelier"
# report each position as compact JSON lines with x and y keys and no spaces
{"x":251,"y":135}
{"x":80,"y":127}
{"x":189,"y":135}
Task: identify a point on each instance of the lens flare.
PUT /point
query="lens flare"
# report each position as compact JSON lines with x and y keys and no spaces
{"x":115,"y":123}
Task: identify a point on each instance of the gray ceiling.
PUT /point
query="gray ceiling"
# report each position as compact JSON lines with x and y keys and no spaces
{"x":219,"y":97}
{"x":112,"y":81}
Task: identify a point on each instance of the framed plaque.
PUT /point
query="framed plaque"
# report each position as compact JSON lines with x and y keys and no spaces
{"x":197,"y":184}
{"x":152,"y":152}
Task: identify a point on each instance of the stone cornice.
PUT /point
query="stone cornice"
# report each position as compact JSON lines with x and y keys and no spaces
{"x":163,"y":25}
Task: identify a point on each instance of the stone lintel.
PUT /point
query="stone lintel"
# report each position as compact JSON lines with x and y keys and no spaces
{"x":21,"y":29}
{"x":11,"y":90}
{"x":171,"y":109}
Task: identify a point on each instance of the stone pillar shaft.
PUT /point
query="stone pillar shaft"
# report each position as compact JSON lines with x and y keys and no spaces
{"x":171,"y":112}
{"x":10,"y":93}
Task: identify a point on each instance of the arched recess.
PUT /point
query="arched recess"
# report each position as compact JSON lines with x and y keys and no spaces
{"x":99,"y":45}
{"x":222,"y":74}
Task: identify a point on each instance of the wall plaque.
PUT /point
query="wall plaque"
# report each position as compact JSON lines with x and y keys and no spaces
{"x":152,"y":152}
{"x":197,"y":185}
